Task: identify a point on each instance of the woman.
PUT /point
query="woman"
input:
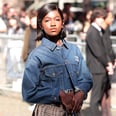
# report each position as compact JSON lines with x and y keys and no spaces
{"x":56,"y":77}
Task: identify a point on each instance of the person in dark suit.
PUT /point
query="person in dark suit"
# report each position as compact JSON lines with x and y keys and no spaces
{"x":97,"y":60}
{"x":106,"y":36}
{"x":112,"y":56}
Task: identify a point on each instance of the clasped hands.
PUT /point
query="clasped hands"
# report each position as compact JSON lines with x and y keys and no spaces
{"x":72,"y":101}
{"x":110,"y":68}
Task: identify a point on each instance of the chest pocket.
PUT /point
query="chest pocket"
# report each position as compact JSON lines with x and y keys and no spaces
{"x":53,"y":72}
{"x":73,"y":70}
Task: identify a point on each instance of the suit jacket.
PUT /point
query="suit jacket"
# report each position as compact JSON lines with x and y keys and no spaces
{"x":108,"y":45}
{"x":96,"y":56}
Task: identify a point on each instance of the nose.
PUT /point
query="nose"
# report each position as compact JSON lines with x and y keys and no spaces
{"x":53,"y":23}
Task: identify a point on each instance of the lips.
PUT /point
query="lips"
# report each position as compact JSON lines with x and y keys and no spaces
{"x":53,"y":29}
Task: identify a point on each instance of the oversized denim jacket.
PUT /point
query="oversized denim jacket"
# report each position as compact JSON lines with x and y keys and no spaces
{"x":50,"y":69}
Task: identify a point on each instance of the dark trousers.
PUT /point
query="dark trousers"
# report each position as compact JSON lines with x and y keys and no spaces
{"x":98,"y":90}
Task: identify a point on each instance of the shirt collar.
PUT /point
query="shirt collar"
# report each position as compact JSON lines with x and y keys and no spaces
{"x":51,"y":45}
{"x":96,"y":26}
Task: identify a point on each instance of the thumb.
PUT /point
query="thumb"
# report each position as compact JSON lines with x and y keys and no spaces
{"x":62,"y":93}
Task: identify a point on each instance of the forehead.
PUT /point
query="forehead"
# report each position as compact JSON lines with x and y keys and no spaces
{"x":53,"y":14}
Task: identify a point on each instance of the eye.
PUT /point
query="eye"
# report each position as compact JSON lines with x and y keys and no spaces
{"x":47,"y":20}
{"x":57,"y":19}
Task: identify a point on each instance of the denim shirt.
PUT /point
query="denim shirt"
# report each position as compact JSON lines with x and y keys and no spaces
{"x":50,"y":69}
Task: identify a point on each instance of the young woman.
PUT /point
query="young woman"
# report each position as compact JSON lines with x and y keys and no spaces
{"x":56,"y":77}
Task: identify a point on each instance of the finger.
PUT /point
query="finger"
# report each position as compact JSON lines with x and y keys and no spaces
{"x":62,"y":94}
{"x":69,"y":107}
{"x":75,"y":105}
{"x":78,"y":108}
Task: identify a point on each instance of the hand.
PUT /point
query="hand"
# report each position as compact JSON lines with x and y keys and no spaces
{"x":78,"y":101}
{"x":110,"y":69}
{"x":66,"y":99}
{"x":114,"y":66}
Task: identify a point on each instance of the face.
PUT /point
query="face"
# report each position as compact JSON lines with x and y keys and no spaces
{"x":88,"y":16}
{"x":52,"y":23}
{"x":109,"y":18}
{"x":13,"y":22}
{"x":33,"y":22}
{"x":99,"y":21}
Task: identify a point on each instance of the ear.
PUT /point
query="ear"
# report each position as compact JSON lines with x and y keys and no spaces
{"x":63,"y":24}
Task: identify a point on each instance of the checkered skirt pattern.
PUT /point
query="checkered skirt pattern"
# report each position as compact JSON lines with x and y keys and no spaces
{"x":48,"y":110}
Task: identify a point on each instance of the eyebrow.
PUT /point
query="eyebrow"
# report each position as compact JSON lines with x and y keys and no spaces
{"x":54,"y":17}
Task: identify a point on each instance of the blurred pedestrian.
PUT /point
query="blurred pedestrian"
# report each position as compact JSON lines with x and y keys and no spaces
{"x":30,"y":35}
{"x":24,"y":18}
{"x":3,"y":26}
{"x":106,"y":103}
{"x":5,"y":8}
{"x":69,"y":18}
{"x":86,"y":24}
{"x":14,"y":27}
{"x":56,"y":77}
{"x":13,"y":50}
{"x":97,"y":60}
{"x":113,"y":26}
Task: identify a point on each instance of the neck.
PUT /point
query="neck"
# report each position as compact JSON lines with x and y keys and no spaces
{"x":59,"y":43}
{"x":54,"y":39}
{"x":104,"y":25}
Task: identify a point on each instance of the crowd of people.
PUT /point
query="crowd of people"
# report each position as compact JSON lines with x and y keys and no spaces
{"x":15,"y":20}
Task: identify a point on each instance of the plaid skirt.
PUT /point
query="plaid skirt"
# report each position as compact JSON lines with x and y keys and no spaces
{"x":51,"y":110}
{"x":48,"y":110}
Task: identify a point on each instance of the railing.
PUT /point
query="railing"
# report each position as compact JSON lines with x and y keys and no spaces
{"x":10,"y":55}
{"x":81,"y":44}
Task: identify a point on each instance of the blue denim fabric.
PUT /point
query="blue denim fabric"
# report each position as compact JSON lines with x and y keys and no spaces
{"x":51,"y":68}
